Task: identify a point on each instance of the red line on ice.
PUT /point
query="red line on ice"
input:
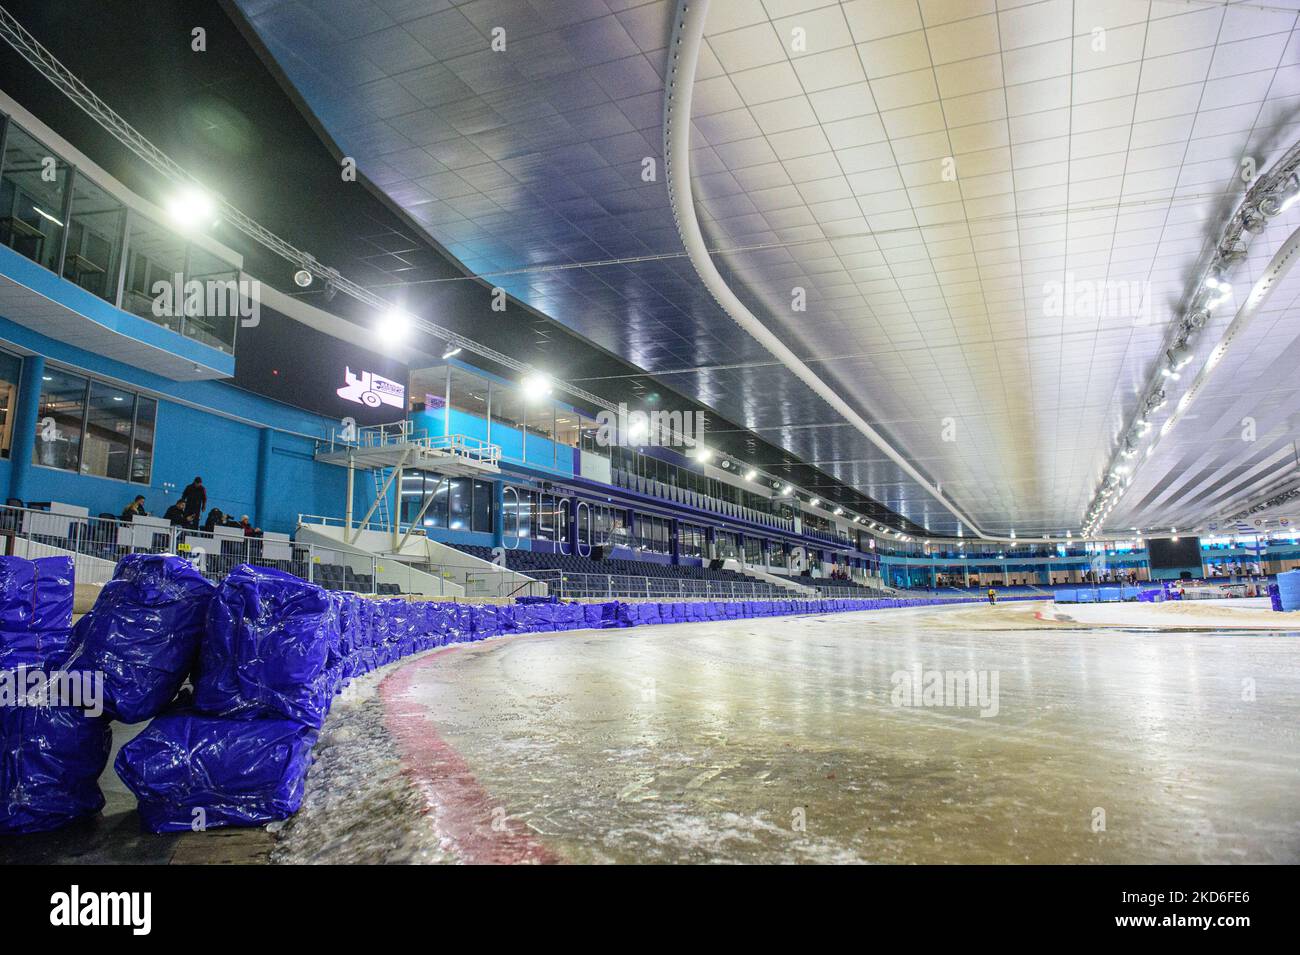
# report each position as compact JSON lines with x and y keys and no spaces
{"x":461,"y":808}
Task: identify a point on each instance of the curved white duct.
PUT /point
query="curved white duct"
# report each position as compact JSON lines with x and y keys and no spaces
{"x":683,"y":55}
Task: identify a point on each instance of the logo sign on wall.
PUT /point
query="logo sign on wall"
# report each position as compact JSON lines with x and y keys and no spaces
{"x":294,"y":363}
{"x":372,"y":390}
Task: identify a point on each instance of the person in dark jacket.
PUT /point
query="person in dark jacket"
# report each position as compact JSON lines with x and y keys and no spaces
{"x":195,"y":497}
{"x":215,"y":519}
{"x":133,"y":509}
{"x":176,"y":514}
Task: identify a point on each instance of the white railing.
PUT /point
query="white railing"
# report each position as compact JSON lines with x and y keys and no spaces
{"x":326,"y":521}
{"x":402,"y":434}
{"x":96,"y":544}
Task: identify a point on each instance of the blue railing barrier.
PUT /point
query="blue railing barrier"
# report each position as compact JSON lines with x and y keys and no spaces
{"x":273,"y":653}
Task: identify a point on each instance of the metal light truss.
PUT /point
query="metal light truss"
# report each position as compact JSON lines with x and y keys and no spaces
{"x":1230,"y":248}
{"x":48,"y":65}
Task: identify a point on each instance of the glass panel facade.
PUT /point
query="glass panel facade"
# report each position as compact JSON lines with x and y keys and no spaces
{"x":212,"y":317}
{"x":566,"y":427}
{"x":153,"y":255}
{"x":507,"y":406}
{"x":469,"y":393}
{"x":33,"y":187}
{"x":94,"y":239}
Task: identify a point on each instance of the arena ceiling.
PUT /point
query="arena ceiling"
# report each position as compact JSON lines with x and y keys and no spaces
{"x":928,"y":172}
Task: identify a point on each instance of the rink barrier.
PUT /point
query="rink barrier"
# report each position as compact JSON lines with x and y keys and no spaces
{"x":1288,"y":590}
{"x":273,"y":654}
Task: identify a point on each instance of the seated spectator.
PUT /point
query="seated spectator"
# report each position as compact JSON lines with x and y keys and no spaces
{"x":176,"y":514}
{"x":249,"y":529}
{"x":215,"y":519}
{"x":134,"y":509}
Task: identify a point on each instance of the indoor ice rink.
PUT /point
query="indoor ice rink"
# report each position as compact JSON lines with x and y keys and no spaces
{"x":650,"y":432}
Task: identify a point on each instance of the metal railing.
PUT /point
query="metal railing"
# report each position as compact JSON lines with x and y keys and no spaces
{"x":96,"y":544}
{"x":403,"y":433}
{"x":568,"y":585}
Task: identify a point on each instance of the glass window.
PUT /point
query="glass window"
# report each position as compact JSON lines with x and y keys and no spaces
{"x":94,"y":428}
{"x":469,"y":393}
{"x":146,"y":411}
{"x":507,"y":406}
{"x":544,"y":517}
{"x":566,"y":427}
{"x":438,"y":487}
{"x":94,"y":239}
{"x":59,"y":420}
{"x":153,"y":255}
{"x":32,"y":191}
{"x":459,"y":502}
{"x":428,"y":390}
{"x":527,"y":501}
{"x":541,"y":419}
{"x":483,"y":507}
{"x":10,"y":369}
{"x":106,"y":448}
{"x":212,"y":315}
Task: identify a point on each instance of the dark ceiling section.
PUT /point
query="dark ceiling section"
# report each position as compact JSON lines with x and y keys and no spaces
{"x":226,"y":118}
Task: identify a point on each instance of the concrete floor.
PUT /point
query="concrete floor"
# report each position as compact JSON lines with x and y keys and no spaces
{"x":712,"y":742}
{"x":780,"y":740}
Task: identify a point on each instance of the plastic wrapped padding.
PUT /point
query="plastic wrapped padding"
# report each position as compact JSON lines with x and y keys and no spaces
{"x":191,"y":771}
{"x":51,"y":758}
{"x":143,"y":634}
{"x":35,"y":611}
{"x":267,"y":647}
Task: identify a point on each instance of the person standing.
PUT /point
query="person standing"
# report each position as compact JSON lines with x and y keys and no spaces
{"x":195,"y":498}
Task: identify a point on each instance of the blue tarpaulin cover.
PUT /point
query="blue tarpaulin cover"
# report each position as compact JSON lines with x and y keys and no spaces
{"x":50,"y":761}
{"x":267,"y":648}
{"x":191,"y":771}
{"x":143,"y":633}
{"x":35,"y":611}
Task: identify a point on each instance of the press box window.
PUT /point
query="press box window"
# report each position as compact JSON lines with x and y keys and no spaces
{"x":94,"y":428}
